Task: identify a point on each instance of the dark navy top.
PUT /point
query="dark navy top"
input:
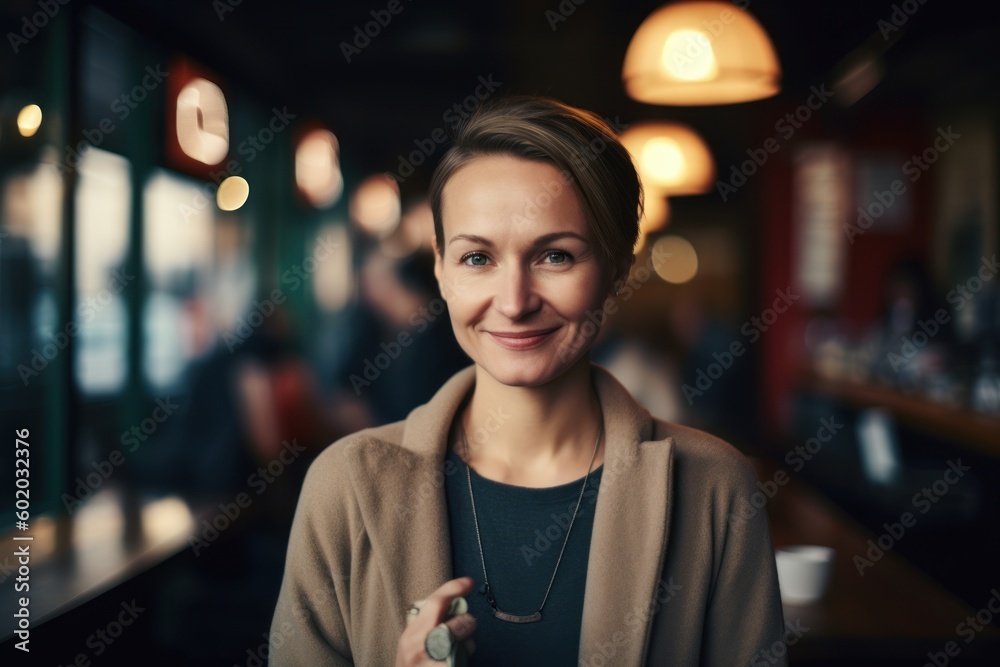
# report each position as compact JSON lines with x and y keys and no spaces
{"x":522,"y":531}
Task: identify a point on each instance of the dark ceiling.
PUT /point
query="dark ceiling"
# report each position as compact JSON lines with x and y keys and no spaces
{"x":431,"y":53}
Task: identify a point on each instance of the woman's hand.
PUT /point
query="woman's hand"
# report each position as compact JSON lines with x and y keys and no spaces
{"x":410,"y":651}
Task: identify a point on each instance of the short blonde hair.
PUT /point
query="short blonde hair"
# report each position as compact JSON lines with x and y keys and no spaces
{"x":577,"y":142}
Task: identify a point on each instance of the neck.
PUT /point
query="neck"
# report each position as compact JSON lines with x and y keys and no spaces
{"x":531,"y":432}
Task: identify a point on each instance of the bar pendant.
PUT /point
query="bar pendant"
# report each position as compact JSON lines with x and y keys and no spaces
{"x":514,"y":618}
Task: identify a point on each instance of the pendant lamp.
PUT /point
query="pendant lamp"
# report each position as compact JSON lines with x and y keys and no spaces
{"x":700,"y":53}
{"x":671,"y":158}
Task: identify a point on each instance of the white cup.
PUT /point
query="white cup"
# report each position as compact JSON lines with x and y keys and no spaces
{"x":803,"y":572}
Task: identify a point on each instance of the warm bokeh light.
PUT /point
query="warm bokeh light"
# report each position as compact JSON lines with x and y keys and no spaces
{"x":681,"y":261}
{"x":203,"y":121}
{"x":44,"y":533}
{"x":670,"y":157}
{"x":233,"y":193}
{"x":317,"y":168}
{"x":375,"y":205}
{"x":416,"y":228}
{"x":99,"y":521}
{"x":44,"y":190}
{"x":166,"y":519}
{"x":29,"y":119}
{"x":688,"y":55}
{"x":662,"y":159}
{"x":418,"y":224}
{"x":694,"y":53}
{"x":103,"y":203}
{"x":179,"y":226}
{"x":821,"y":199}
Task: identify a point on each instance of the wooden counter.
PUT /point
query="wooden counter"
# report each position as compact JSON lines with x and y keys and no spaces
{"x":977,"y":431}
{"x":894,"y":611}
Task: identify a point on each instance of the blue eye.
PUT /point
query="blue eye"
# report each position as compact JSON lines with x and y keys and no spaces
{"x":566,"y":255}
{"x":465,"y":258}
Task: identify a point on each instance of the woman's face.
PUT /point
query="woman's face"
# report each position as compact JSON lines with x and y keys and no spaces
{"x":519,"y":257}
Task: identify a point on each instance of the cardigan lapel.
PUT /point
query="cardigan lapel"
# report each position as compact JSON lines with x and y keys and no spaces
{"x":402,"y":500}
{"x":628,"y":544}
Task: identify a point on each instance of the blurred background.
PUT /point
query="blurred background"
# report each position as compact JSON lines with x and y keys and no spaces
{"x":215,"y":261}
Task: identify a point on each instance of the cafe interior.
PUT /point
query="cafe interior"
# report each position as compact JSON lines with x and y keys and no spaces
{"x":215,"y":233}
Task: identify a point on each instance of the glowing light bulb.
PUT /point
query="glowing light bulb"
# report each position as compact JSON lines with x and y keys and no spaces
{"x":688,"y":55}
{"x":29,"y":120}
{"x":233,"y":193}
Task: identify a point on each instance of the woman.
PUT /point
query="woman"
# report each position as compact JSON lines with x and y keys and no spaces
{"x":480,"y":492}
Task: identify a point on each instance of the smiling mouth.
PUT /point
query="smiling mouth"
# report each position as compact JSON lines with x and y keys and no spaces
{"x":522,"y":340}
{"x":534,"y":333}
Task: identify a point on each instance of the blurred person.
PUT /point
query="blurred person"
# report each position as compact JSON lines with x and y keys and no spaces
{"x":257,"y":419}
{"x":281,"y":402}
{"x":535,"y":220}
{"x":400,"y":349}
{"x":249,"y":400}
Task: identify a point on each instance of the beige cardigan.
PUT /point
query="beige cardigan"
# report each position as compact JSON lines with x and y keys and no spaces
{"x":670,"y":579}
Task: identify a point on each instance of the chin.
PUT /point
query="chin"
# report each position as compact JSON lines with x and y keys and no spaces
{"x":525,"y":380}
{"x":517,"y":369}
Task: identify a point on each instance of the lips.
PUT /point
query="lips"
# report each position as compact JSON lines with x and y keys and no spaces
{"x":523,"y":334}
{"x":522,"y":340}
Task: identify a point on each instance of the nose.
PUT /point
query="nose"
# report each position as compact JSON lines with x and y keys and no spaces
{"x":516,"y":293}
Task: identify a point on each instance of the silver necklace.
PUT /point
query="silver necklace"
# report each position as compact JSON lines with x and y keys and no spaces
{"x":537,"y":616}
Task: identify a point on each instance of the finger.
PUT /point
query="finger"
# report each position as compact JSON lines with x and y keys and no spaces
{"x":470,"y":646}
{"x":439,"y":602}
{"x":462,"y":625}
{"x":453,"y":587}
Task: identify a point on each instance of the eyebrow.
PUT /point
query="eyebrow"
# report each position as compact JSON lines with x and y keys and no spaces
{"x":541,"y":240}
